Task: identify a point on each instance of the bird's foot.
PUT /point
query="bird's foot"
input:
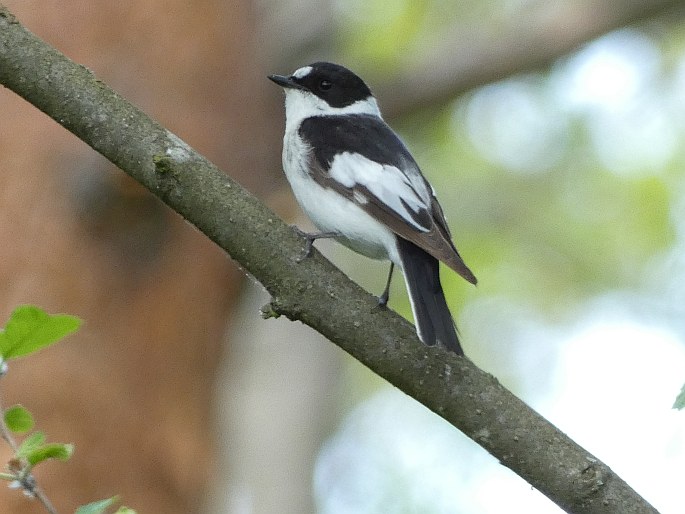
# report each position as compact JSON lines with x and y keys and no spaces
{"x":383,"y":299}
{"x":310,"y":237}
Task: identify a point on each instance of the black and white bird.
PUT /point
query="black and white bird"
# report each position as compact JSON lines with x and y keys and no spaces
{"x":358,"y":183}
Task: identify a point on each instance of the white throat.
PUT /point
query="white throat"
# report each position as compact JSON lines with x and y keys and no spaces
{"x":301,"y":104}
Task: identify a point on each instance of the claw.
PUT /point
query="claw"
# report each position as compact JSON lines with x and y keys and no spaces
{"x":383,"y":299}
{"x":310,"y":237}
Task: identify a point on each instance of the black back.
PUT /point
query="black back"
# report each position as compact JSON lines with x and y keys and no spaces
{"x":364,"y":134}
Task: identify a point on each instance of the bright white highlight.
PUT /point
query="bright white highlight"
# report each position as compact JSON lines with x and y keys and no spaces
{"x":614,"y":83}
{"x":610,"y":72}
{"x":513,"y":124}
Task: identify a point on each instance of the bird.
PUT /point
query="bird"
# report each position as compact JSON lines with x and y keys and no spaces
{"x":358,"y":183}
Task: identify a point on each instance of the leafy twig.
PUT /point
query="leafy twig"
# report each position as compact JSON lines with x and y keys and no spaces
{"x":28,"y":330}
{"x":21,"y":476}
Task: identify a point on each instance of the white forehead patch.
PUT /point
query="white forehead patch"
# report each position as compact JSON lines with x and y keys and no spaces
{"x":302,"y":72}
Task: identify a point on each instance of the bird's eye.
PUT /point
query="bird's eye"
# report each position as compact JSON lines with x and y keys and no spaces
{"x":325,"y":85}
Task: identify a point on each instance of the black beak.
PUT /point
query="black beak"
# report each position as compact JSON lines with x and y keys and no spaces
{"x":286,"y":82}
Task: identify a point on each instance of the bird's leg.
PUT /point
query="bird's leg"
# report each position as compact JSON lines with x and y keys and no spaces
{"x":385,"y":296}
{"x":311,"y":237}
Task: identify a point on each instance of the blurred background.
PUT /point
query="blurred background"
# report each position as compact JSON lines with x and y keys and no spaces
{"x":552,"y":132}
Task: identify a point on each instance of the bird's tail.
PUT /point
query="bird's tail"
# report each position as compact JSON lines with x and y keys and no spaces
{"x":434,"y":324}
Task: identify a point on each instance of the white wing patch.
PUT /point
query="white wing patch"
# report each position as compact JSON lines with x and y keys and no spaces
{"x":387,"y":183}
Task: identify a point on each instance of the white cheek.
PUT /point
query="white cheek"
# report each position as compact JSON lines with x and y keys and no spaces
{"x":300,"y":105}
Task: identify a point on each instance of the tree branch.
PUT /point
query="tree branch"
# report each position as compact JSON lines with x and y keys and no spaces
{"x":314,"y":291}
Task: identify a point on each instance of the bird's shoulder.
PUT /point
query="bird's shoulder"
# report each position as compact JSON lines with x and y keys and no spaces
{"x":363,"y":134}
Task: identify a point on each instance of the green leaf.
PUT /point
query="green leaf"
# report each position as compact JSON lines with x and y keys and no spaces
{"x":35,"y":450}
{"x":59,"y":451}
{"x":30,"y":328}
{"x":18,"y":419}
{"x":125,"y":510}
{"x":680,"y":400}
{"x":30,"y":444}
{"x":97,"y":507}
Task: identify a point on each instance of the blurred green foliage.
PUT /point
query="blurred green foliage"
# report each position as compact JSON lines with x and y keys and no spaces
{"x":552,"y":236}
{"x":523,"y":168}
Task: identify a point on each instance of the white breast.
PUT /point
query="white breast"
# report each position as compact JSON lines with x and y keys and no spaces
{"x":330,"y":211}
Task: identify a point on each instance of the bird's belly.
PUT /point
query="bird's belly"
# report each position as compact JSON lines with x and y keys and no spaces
{"x":331,"y":212}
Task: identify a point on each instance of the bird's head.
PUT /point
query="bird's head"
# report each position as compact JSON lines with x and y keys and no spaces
{"x":324,"y":88}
